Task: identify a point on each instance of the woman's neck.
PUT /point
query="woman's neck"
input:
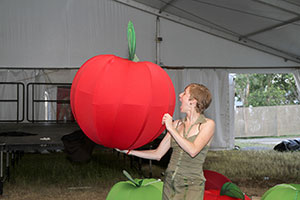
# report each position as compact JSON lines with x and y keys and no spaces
{"x":192,"y":117}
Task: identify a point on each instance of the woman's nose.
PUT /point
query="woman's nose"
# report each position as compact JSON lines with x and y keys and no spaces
{"x":180,"y":96}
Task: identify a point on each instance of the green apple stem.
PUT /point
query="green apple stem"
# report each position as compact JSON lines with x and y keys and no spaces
{"x":131,"y":179}
{"x":131,"y":42}
{"x":158,"y":180}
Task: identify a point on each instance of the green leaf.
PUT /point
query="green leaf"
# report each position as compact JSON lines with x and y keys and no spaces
{"x":135,"y":59}
{"x":141,"y":182}
{"x":131,"y":179}
{"x":131,"y":40}
{"x":232,"y":190}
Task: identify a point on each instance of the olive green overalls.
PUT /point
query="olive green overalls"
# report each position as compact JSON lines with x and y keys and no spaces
{"x":184,"y":179}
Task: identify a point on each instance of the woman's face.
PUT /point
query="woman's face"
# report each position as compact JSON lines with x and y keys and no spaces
{"x":184,"y":98}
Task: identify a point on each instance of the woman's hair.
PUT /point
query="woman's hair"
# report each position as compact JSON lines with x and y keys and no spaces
{"x":202,"y":96}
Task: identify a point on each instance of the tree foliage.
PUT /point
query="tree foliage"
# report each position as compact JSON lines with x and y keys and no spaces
{"x":266,"y":89}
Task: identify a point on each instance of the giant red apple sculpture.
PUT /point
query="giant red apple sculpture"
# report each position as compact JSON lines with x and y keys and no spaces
{"x":119,"y":103}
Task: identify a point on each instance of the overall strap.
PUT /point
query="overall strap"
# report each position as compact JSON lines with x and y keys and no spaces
{"x":201,"y":119}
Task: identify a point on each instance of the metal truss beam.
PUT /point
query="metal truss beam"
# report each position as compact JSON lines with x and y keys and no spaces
{"x":213,"y":31}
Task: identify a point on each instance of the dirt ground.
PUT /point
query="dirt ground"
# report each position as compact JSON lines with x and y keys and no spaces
{"x":255,"y":193}
{"x":54,"y":193}
{"x":93,"y":194}
{"x":88,"y":193}
{"x":252,"y":190}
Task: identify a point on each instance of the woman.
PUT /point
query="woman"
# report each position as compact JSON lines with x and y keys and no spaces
{"x":189,"y":138}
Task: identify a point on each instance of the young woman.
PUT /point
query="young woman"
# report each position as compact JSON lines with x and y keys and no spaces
{"x":189,"y":138}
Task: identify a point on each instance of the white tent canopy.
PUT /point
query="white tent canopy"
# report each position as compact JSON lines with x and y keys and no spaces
{"x":267,"y":25}
{"x":65,"y":33}
{"x":193,"y":40}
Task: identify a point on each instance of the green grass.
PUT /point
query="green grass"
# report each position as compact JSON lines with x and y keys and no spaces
{"x":261,"y":168}
{"x":104,"y":168}
{"x":52,"y":176}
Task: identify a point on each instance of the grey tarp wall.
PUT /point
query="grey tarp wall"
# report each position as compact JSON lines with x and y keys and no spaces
{"x":220,"y":109}
{"x":65,"y":33}
{"x":42,"y":111}
{"x":216,"y":80}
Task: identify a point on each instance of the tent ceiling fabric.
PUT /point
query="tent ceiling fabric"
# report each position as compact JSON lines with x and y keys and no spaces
{"x":272,"y":26}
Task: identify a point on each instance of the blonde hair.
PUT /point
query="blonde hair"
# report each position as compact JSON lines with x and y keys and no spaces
{"x":201,"y":94}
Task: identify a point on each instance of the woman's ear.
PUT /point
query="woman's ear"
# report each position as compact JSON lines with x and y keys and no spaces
{"x":193,"y":102}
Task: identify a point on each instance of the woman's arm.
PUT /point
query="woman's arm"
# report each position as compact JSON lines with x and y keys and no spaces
{"x":159,"y":152}
{"x":154,"y":154}
{"x":203,"y":138}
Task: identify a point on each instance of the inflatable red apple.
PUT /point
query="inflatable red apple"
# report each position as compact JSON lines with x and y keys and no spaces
{"x":119,"y":103}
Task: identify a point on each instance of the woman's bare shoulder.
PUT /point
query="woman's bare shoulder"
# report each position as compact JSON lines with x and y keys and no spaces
{"x":209,"y":122}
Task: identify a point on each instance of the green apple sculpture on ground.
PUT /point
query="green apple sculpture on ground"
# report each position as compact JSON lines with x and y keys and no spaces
{"x":283,"y":192}
{"x":136,"y":189}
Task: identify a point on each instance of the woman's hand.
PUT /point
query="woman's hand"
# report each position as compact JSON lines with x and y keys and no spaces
{"x":168,"y":121}
{"x":123,"y":151}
